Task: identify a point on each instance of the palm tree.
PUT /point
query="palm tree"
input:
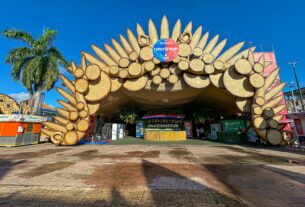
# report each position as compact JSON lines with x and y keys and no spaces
{"x":36,"y":64}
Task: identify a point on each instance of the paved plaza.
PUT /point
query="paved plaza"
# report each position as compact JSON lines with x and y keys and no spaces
{"x":151,"y":175}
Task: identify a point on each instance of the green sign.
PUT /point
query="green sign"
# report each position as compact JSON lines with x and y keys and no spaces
{"x":232,"y":125}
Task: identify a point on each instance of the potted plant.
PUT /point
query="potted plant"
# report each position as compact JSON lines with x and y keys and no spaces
{"x":129,"y":117}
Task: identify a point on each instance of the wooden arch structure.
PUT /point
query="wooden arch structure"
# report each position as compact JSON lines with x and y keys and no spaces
{"x":130,"y":71}
{"x":8,"y":105}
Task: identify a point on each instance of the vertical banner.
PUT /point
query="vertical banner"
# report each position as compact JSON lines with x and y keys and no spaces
{"x":189,"y":129}
{"x":121,"y":128}
{"x":214,"y":129}
{"x":140,"y":129}
{"x":114,"y":134}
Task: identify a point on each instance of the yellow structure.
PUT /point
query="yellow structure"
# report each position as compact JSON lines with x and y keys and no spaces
{"x":165,"y":135}
{"x":8,"y":105}
{"x":231,"y":81}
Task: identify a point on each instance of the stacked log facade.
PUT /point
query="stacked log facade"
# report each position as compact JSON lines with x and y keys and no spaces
{"x":131,"y":65}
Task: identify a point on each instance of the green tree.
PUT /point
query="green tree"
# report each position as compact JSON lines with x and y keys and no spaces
{"x":35,"y":65}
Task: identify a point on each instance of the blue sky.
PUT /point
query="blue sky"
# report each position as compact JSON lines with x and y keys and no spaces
{"x":80,"y":23}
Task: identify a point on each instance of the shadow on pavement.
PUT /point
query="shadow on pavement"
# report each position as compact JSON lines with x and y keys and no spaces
{"x":292,"y":175}
{"x":7,"y":165}
{"x":253,"y":155}
{"x":273,"y":186}
{"x":164,"y":183}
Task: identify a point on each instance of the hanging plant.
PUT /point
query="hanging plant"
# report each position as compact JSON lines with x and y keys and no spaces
{"x":127,"y":115}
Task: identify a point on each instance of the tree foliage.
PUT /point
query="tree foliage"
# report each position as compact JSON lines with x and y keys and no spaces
{"x":37,"y":63}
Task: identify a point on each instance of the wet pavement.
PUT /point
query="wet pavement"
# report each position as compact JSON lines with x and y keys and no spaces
{"x":151,"y":175}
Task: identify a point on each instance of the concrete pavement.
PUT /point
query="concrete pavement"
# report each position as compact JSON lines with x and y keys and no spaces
{"x":150,"y":175}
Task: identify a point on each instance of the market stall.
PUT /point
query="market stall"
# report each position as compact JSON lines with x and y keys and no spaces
{"x":16,"y":130}
{"x":298,"y":126}
{"x":164,"y":127}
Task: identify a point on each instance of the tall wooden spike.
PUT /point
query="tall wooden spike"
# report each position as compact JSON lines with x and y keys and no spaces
{"x":63,"y":113}
{"x":68,"y":84}
{"x":230,"y":52}
{"x":140,"y":30}
{"x":262,"y":60}
{"x":103,"y":55}
{"x":114,"y":55}
{"x":274,"y":91}
{"x":67,"y":96}
{"x":244,"y":53}
{"x":271,"y":77}
{"x":133,"y":41}
{"x":61,"y":120}
{"x":203,"y":40}
{"x":196,"y":37}
{"x":93,"y":60}
{"x":153,"y":34}
{"x":211,"y":45}
{"x":268,"y":63}
{"x":279,"y":108}
{"x":177,"y":30}
{"x":251,"y":57}
{"x":278,"y":117}
{"x":215,"y":52}
{"x":273,"y":102}
{"x":55,"y":127}
{"x":125,"y":44}
{"x":83,"y":64}
{"x":66,"y":105}
{"x":164,"y":31}
{"x":188,"y":27}
{"x":74,"y":66}
{"x":119,"y":48}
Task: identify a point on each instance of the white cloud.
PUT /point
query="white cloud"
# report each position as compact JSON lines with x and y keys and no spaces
{"x":19,"y":96}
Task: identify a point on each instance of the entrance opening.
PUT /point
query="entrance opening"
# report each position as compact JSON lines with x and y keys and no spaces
{"x":195,"y":111}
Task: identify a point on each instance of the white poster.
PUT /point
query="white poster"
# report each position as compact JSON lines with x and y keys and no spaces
{"x":121,"y":131}
{"x":214,"y":129}
{"x":114,"y":134}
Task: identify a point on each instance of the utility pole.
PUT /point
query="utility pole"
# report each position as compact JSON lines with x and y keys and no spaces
{"x":297,"y":81}
{"x":293,"y":98}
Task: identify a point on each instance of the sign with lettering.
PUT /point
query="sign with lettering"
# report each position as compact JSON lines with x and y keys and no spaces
{"x":176,"y":124}
{"x":166,"y":50}
{"x":22,"y":118}
{"x":232,"y":125}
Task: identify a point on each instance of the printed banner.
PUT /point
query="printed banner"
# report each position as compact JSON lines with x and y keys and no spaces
{"x":140,"y":129}
{"x":189,"y":129}
{"x":165,"y":50}
{"x":175,"y":124}
{"x":22,"y":118}
{"x":214,"y":129}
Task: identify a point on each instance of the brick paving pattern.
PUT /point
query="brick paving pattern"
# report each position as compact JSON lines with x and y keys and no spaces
{"x":136,"y":175}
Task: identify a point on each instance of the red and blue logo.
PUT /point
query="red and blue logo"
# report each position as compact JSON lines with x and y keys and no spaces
{"x":166,"y":50}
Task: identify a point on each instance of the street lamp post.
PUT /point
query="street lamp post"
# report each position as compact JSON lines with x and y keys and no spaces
{"x":297,"y":81}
